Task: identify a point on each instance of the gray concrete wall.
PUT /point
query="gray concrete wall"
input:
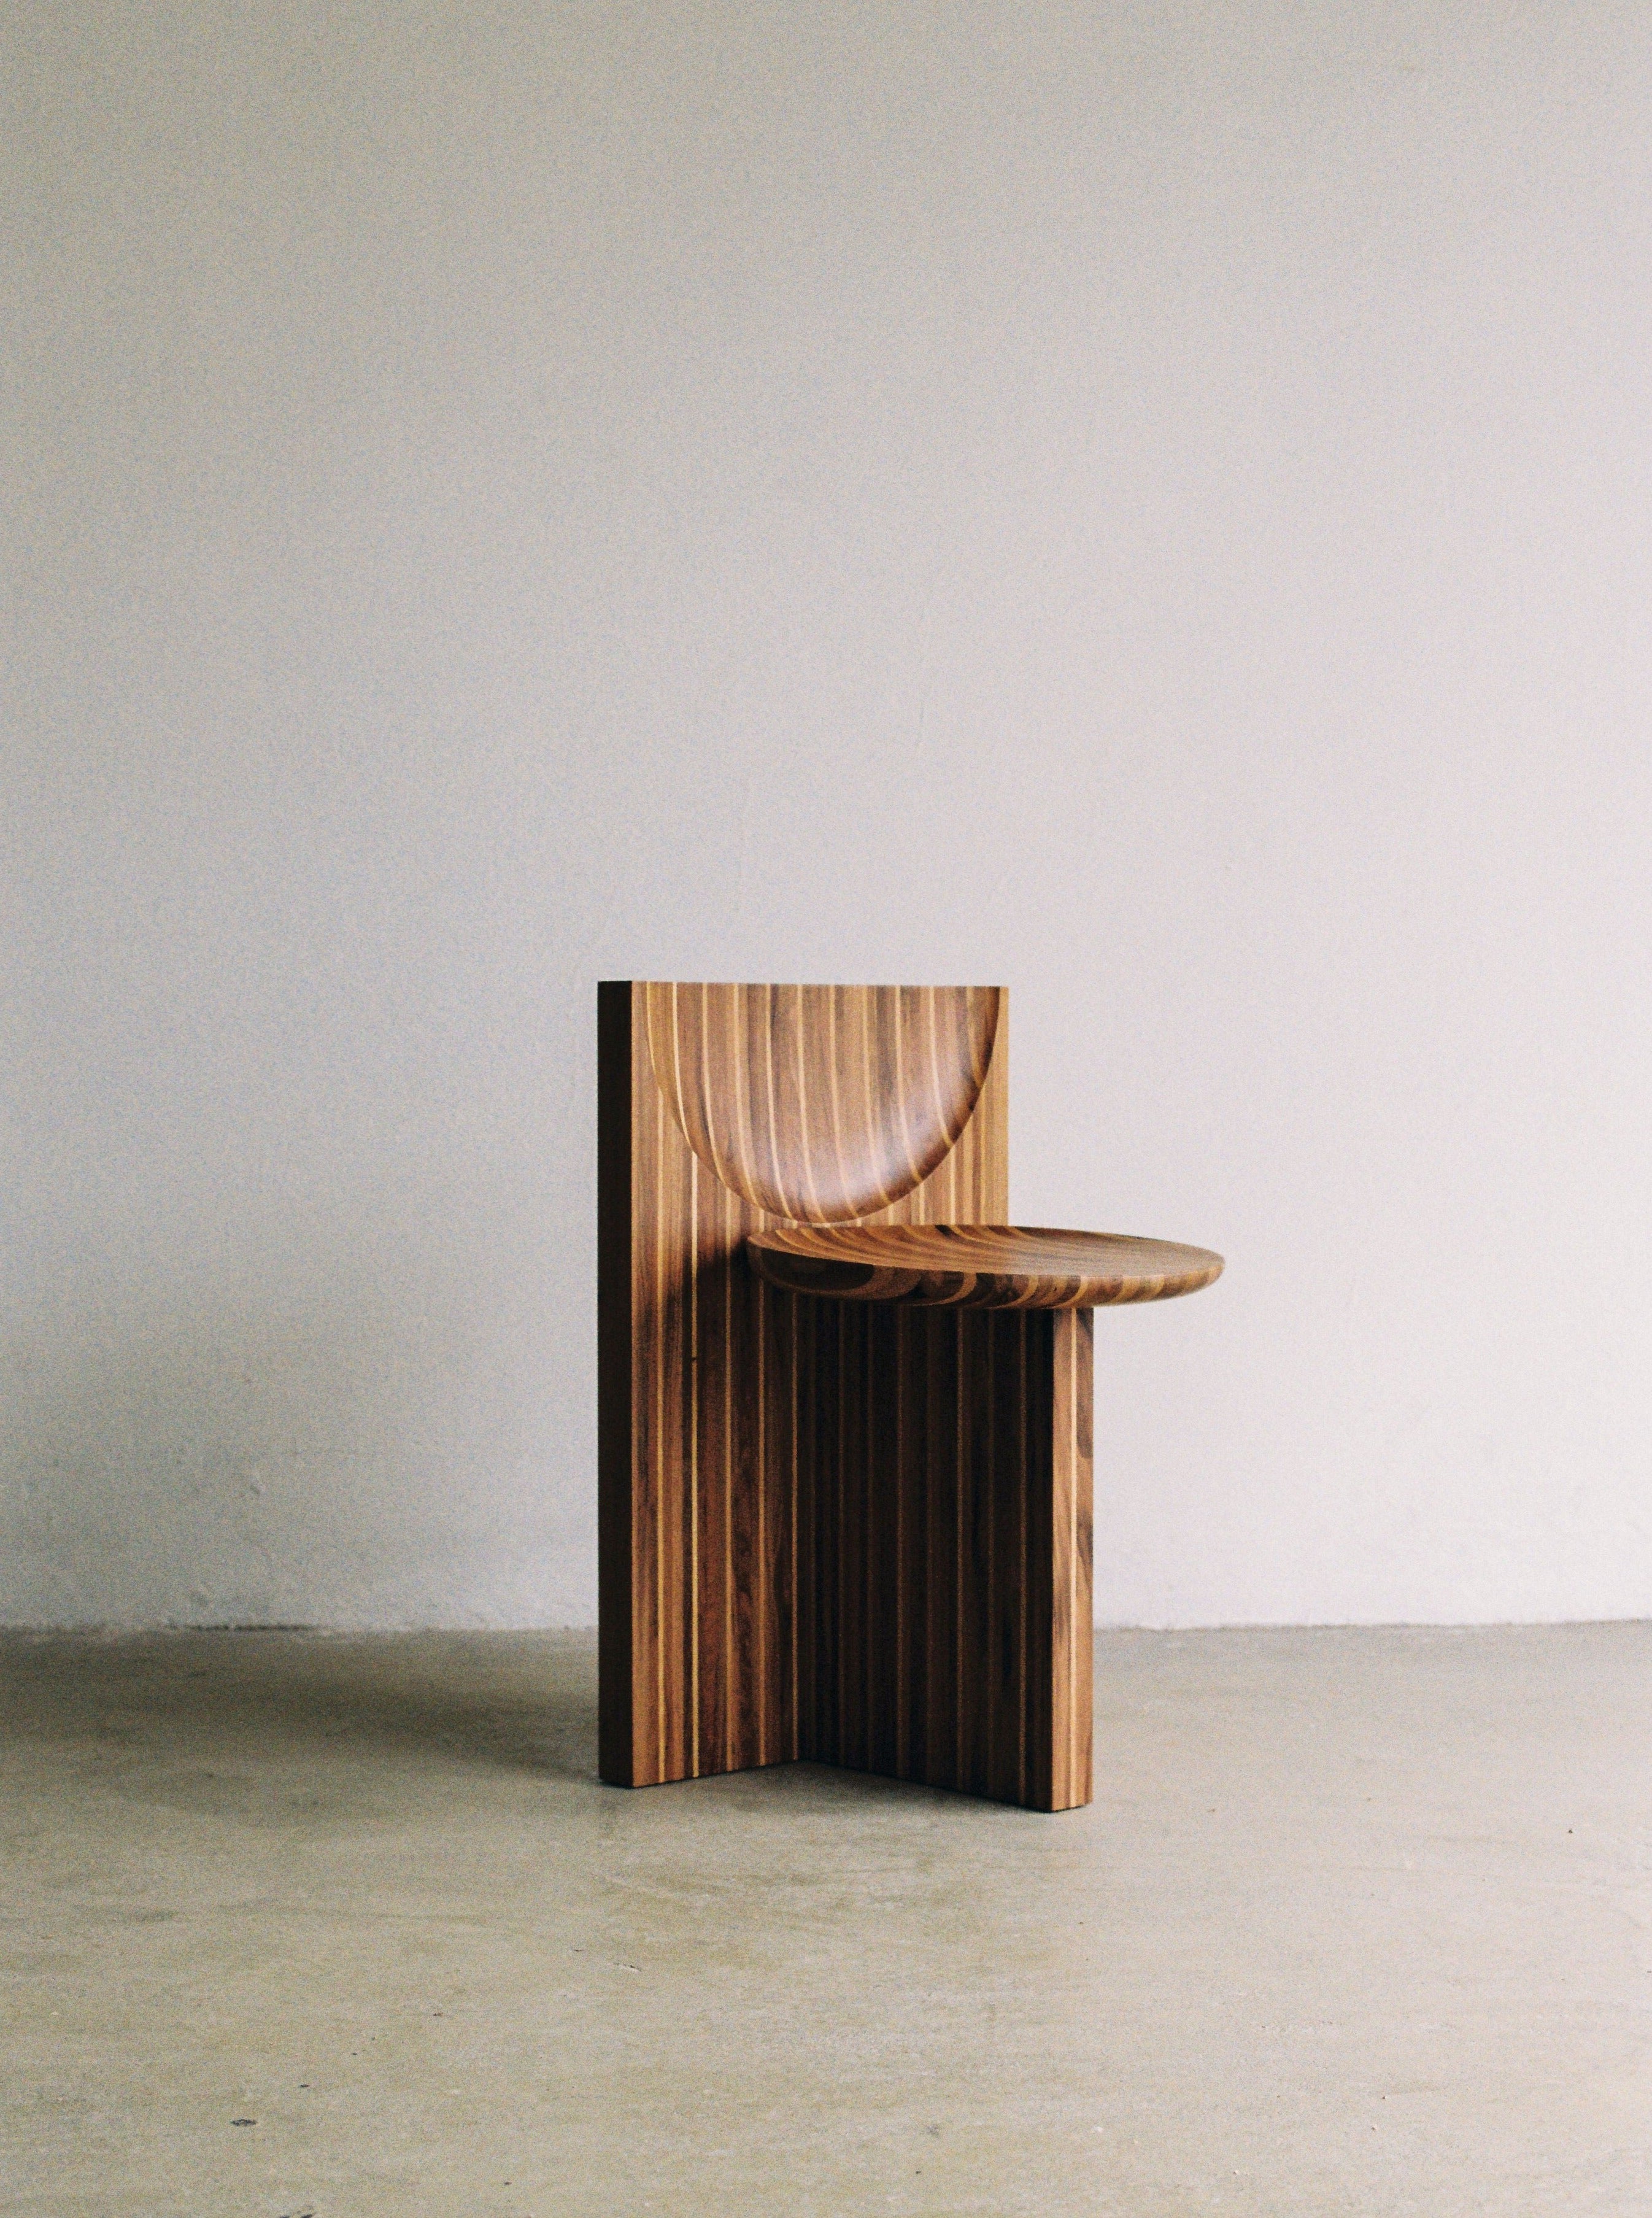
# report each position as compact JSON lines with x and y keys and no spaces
{"x":1146,"y":503}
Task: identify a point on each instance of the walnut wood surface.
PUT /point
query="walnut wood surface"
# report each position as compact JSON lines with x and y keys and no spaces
{"x":818,"y":1104}
{"x":978,"y":1266}
{"x":946,"y":1596}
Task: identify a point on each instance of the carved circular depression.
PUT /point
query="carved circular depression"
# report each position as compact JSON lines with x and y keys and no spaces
{"x":819,"y":1104}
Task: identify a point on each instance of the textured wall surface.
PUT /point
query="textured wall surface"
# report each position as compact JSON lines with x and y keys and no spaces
{"x":502,"y":496}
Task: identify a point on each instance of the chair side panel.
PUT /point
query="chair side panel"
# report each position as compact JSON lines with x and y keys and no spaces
{"x":647,"y":1505}
{"x":698,"y":1444}
{"x":1061,"y":1586}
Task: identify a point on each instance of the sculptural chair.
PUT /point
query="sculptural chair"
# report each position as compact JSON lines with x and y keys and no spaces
{"x":844,"y":1408}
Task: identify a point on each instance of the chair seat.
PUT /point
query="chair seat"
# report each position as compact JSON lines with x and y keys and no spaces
{"x":977,"y":1266}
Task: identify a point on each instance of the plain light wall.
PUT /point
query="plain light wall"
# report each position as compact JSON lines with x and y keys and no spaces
{"x":1148,"y":504}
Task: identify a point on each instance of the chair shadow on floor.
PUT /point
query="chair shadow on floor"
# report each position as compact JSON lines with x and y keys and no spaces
{"x":516,"y":1702}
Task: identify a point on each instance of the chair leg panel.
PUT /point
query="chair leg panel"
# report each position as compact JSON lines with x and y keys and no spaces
{"x":952,"y":1638}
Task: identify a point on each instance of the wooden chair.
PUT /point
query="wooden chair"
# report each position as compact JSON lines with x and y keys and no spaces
{"x":844,"y":1435}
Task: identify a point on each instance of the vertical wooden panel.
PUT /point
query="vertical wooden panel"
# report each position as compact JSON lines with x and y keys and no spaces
{"x":961,"y":1655}
{"x":1059,"y":1592}
{"x":1073,"y":1499}
{"x":624,"y":1527}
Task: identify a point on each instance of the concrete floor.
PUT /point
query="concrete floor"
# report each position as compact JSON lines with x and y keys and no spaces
{"x":1361,"y":1922}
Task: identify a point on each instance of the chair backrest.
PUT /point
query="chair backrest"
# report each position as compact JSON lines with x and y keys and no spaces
{"x":821,"y":1104}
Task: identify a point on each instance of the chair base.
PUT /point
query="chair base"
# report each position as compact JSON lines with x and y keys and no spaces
{"x":908,"y":1589}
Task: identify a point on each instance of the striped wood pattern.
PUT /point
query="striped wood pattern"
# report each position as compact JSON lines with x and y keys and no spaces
{"x":978,"y":1266}
{"x":821,"y":1104}
{"x":951,"y":1548}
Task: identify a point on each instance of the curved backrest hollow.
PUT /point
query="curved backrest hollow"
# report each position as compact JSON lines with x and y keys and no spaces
{"x":821,"y":1104}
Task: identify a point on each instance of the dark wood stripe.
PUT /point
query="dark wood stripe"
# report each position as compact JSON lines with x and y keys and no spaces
{"x":937,"y":1758}
{"x":620,"y":1540}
